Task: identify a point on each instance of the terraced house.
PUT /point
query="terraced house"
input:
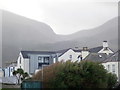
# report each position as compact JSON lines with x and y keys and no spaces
{"x":112,"y":64}
{"x":31,"y":61}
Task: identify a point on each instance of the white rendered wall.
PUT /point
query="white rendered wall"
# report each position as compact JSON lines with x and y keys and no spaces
{"x":110,"y":64}
{"x":11,"y":70}
{"x":84,"y":54}
{"x":66,"y":56}
{"x":24,"y":63}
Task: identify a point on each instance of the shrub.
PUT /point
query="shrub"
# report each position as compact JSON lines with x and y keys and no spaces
{"x":85,"y":74}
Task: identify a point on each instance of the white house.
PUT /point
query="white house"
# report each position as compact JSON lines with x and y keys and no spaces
{"x":69,"y":54}
{"x":81,"y":54}
{"x":23,"y":62}
{"x":30,"y":61}
{"x":8,"y":71}
{"x":112,"y":64}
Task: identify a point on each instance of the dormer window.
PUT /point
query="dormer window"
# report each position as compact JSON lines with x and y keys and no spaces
{"x":105,"y":48}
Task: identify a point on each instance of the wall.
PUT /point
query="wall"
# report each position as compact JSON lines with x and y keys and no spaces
{"x":111,"y":63}
{"x":11,"y":69}
{"x":119,"y":70}
{"x":1,"y":73}
{"x":84,"y":54}
{"x":33,"y":64}
{"x":24,"y":63}
{"x":8,"y":71}
{"x":66,"y":56}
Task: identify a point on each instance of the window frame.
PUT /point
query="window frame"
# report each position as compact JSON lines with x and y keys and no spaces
{"x":70,"y":56}
{"x":40,"y":59}
{"x":46,"y":60}
{"x":113,"y":68}
{"x":108,"y":67}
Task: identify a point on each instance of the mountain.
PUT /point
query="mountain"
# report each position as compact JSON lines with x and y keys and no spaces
{"x":94,"y":37}
{"x":21,"y":33}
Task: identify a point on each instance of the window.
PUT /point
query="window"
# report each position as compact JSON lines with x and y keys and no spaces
{"x":106,"y":48}
{"x":39,"y":65}
{"x":113,"y":68}
{"x":43,"y":61}
{"x":11,"y":70}
{"x":40,"y":60}
{"x":20,"y":60}
{"x":108,"y":67}
{"x":70,"y":57}
{"x":46,"y":59}
{"x":39,"y":57}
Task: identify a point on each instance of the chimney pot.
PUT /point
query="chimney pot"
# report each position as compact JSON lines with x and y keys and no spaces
{"x":85,"y":48}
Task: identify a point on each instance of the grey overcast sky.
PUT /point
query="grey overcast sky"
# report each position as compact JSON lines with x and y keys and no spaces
{"x":65,"y":16}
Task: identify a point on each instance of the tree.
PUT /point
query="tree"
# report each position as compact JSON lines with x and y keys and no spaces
{"x":84,"y":74}
{"x":111,"y":80}
{"x":25,"y":75}
{"x":15,"y":73}
{"x":20,"y":74}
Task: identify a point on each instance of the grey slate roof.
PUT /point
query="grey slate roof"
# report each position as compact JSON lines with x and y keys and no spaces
{"x":96,"y":49}
{"x":79,"y":50}
{"x":25,"y":53}
{"x":114,"y":57}
{"x":58,"y":52}
{"x":61,"y":52}
{"x":97,"y":57}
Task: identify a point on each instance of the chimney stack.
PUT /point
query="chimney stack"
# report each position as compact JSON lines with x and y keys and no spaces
{"x":76,"y":48}
{"x":84,"y":52}
{"x":85,"y":48}
{"x":105,"y":44}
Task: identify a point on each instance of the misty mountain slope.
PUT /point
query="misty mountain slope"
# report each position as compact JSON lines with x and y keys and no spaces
{"x":94,"y":37}
{"x":23,"y":29}
{"x":107,"y":28}
{"x":20,"y":33}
